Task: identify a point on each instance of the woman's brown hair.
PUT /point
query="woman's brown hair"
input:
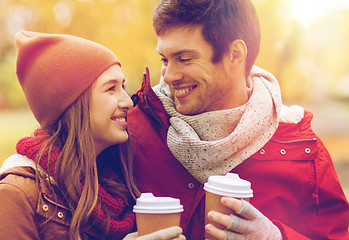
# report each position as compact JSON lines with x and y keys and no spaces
{"x":76,"y":172}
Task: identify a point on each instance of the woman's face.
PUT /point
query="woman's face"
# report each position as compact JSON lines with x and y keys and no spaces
{"x":109,"y":104}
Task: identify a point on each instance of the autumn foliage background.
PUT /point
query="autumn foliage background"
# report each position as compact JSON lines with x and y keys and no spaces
{"x":305,"y":44}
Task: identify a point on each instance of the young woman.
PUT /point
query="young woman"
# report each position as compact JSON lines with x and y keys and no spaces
{"x":55,"y":186}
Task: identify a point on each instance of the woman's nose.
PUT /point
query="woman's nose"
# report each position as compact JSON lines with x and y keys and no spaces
{"x":125,"y":102}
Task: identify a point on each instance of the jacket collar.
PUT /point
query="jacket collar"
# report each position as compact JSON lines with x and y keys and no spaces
{"x":146,"y":99}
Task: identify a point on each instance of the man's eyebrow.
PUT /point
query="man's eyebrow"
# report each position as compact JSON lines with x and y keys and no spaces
{"x":184,"y":51}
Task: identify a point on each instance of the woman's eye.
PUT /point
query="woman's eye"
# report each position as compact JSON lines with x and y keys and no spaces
{"x":111,"y":88}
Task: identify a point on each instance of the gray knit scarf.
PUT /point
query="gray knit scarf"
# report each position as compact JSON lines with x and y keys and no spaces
{"x":213,"y":143}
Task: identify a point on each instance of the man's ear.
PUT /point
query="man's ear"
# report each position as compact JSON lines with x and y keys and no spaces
{"x":238,"y":51}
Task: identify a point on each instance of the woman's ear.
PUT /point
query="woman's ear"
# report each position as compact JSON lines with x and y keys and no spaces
{"x":238,"y":51}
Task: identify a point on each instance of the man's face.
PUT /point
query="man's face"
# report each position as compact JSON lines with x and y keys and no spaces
{"x":198,"y":85}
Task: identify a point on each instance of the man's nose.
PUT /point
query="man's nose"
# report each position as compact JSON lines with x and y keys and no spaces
{"x":171,"y":74}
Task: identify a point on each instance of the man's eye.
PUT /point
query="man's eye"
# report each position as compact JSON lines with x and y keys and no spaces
{"x":164,"y":60}
{"x":184,"y":60}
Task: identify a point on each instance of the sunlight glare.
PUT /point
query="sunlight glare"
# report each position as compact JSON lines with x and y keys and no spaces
{"x":306,"y":12}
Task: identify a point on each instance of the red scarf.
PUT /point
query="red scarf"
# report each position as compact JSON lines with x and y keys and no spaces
{"x":119,"y":226}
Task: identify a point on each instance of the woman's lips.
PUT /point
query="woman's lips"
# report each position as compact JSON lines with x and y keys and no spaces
{"x":120,"y":119}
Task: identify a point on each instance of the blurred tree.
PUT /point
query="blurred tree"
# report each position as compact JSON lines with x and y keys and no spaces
{"x":309,"y":59}
{"x":305,"y":46}
{"x":124,"y":26}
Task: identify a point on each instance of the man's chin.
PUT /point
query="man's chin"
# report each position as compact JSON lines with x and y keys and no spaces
{"x":186,"y":110}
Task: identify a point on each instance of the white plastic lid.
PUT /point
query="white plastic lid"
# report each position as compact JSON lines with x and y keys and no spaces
{"x":230,"y":185}
{"x":148,"y":203}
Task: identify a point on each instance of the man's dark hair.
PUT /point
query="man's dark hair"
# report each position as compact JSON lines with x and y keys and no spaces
{"x":222,"y":21}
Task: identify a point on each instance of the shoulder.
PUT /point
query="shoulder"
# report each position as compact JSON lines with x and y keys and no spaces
{"x":294,"y":138}
{"x":18,"y":180}
{"x":18,"y":197}
{"x":16,"y":160}
{"x":294,"y":124}
{"x":19,"y":185}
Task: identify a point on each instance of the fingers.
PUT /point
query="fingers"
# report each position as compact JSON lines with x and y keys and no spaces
{"x":222,"y":219}
{"x":239,"y":225}
{"x":170,"y":233}
{"x":180,"y":237}
{"x":245,"y":224}
{"x":232,"y":203}
{"x":222,"y":234}
{"x":215,"y":232}
{"x":219,"y":218}
{"x":241,"y":207}
{"x":248,"y":211}
{"x":231,"y":222}
{"x":233,"y":226}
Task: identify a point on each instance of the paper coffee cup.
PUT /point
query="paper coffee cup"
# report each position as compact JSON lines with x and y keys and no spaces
{"x":230,"y":185}
{"x":156,"y":213}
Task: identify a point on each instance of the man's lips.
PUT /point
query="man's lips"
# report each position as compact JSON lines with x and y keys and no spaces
{"x":183,"y":91}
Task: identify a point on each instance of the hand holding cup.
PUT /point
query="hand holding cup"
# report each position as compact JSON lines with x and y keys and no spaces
{"x":230,"y":185}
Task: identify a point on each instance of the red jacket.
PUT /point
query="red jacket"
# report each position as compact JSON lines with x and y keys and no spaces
{"x":294,"y":182}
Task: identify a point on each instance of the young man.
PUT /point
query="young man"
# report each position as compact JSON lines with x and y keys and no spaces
{"x":213,"y":113}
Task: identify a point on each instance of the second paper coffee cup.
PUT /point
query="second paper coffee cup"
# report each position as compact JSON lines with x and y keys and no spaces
{"x":230,"y":185}
{"x":156,"y":213}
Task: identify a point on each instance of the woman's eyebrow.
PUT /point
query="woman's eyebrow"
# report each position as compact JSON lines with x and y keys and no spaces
{"x":114,"y":81}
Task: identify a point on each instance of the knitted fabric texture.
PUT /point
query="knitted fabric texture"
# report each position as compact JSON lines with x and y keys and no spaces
{"x":251,"y":224}
{"x":213,"y":143}
{"x":123,"y":219}
{"x":55,"y":69}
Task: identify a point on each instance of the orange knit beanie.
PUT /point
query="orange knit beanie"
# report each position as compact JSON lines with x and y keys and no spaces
{"x":55,"y":69}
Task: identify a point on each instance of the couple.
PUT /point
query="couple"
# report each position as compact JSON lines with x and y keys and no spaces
{"x":213,"y":112}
